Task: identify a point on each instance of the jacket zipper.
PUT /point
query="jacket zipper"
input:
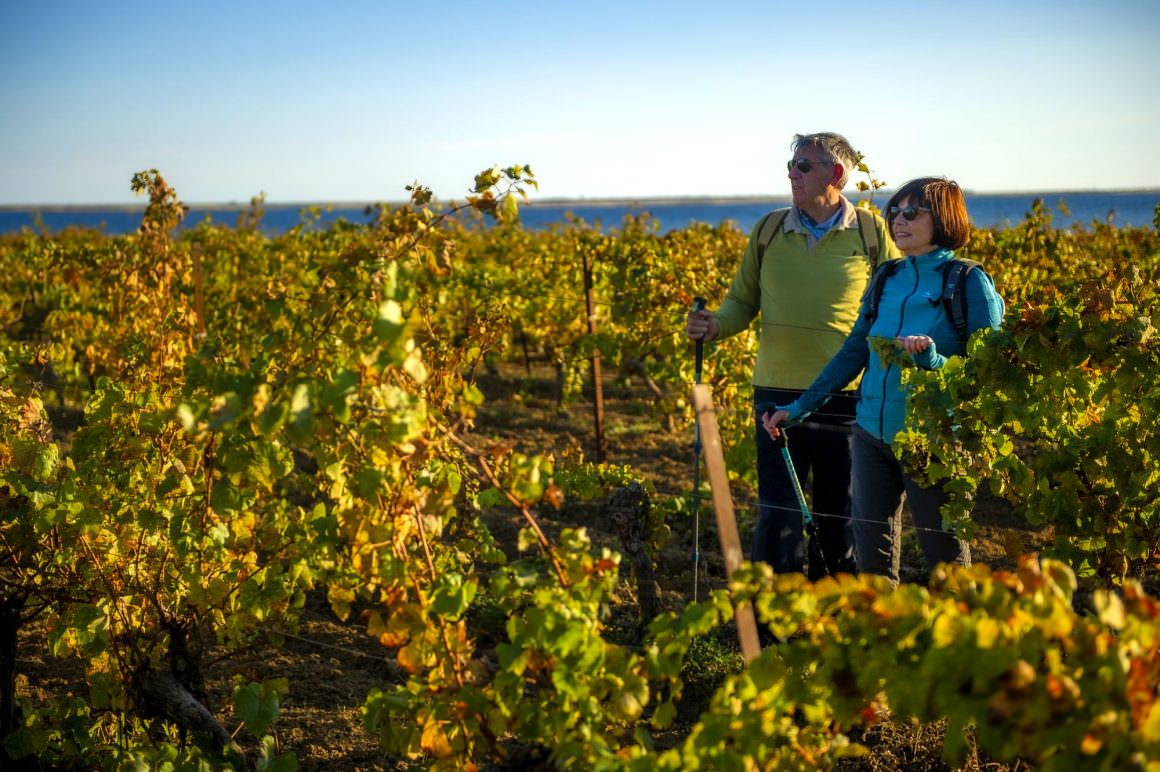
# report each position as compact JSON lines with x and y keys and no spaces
{"x":886,"y":370}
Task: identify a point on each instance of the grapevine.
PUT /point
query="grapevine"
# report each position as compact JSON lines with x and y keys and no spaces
{"x":202,"y":428}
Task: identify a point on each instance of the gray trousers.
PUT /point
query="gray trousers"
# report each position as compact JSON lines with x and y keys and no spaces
{"x":878,"y":487}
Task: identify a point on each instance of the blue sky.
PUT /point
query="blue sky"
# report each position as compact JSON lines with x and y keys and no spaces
{"x":351,"y":101}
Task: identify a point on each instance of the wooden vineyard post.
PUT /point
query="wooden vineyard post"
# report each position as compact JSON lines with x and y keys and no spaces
{"x":198,"y":291}
{"x":597,"y":387}
{"x":723,"y":506}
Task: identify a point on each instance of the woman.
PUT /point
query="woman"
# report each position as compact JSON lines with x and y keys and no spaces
{"x":928,"y":220}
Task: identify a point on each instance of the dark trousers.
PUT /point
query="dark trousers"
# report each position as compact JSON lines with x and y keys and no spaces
{"x":822,"y":454}
{"x":879,"y":485}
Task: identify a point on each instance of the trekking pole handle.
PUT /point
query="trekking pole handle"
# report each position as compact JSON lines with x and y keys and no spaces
{"x":699,"y":305}
{"x":780,"y":440}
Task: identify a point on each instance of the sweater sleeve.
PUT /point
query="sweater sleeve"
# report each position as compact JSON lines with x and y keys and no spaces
{"x":845,"y":366}
{"x":743,"y":301}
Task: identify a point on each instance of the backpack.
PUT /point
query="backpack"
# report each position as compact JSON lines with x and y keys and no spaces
{"x":953,"y":297}
{"x":772,"y":223}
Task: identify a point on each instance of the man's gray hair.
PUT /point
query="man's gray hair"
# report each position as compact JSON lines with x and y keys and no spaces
{"x":833,"y":147}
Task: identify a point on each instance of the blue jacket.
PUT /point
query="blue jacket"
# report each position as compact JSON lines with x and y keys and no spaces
{"x":910,"y":305}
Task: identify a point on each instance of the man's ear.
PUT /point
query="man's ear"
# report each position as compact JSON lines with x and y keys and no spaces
{"x":836,"y":174}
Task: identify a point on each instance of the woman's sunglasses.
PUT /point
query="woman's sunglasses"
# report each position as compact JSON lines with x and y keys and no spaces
{"x":804,"y":165}
{"x":910,"y":212}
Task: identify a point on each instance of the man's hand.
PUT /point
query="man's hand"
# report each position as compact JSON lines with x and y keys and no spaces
{"x":701,"y":325}
{"x":771,"y":421}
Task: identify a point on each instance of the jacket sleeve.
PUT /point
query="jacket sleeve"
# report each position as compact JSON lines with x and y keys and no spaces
{"x":985,"y":309}
{"x":930,"y":359}
{"x":743,"y":301}
{"x":845,"y":366}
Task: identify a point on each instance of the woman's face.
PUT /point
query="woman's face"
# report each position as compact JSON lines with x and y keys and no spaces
{"x":913,"y":237}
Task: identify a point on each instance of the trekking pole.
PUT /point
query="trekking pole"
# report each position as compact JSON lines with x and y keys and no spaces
{"x":808,"y":523}
{"x":698,"y":305}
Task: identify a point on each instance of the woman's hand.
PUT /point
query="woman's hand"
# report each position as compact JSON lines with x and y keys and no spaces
{"x":701,"y":325}
{"x":771,"y":420}
{"x":914,"y":344}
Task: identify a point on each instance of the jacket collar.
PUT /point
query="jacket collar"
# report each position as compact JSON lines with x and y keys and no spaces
{"x":934,"y":257}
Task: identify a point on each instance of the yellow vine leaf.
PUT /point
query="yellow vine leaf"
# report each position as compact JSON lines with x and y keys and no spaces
{"x":434,"y":740}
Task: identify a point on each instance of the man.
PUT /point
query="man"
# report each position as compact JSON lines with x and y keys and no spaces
{"x":804,"y":271}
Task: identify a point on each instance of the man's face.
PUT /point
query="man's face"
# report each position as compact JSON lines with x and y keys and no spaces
{"x":808,"y":187}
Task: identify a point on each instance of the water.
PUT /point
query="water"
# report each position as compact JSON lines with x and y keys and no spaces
{"x":1084,"y":208}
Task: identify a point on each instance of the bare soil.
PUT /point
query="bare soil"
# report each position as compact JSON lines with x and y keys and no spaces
{"x":331,"y":665}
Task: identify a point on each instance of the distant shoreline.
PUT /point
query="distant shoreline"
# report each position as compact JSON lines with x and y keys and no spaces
{"x":883,"y":193}
{"x":627,"y":201}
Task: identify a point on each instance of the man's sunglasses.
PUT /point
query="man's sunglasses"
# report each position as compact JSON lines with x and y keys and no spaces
{"x":910,"y":212}
{"x":804,"y":165}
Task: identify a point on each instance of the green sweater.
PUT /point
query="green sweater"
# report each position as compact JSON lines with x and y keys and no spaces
{"x":808,"y":296}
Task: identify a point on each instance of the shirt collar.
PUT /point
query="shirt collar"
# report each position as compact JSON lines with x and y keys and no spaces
{"x":846,"y":218}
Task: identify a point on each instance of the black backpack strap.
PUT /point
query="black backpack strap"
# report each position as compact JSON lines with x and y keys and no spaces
{"x":770,"y":225}
{"x":954,"y":296}
{"x":877,"y":282}
{"x":868,"y":230}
